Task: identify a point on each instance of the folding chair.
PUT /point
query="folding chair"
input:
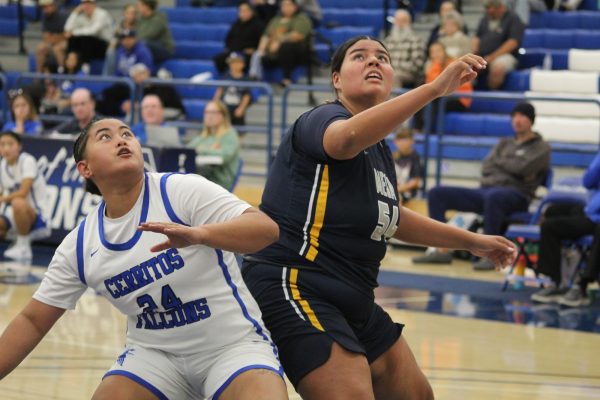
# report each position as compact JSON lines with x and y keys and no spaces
{"x":524,"y":235}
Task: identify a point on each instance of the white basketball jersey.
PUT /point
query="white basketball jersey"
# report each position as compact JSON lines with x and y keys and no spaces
{"x":11,"y":177}
{"x":180,"y":300}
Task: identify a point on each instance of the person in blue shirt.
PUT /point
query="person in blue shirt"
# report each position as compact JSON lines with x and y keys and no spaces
{"x":25,"y":120}
{"x":571,"y":222}
{"x":332,"y":190}
{"x":131,"y":51}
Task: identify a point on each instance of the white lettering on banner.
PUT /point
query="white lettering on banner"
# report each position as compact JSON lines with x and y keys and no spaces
{"x":47,"y":168}
{"x":67,"y":208}
{"x":181,"y":164}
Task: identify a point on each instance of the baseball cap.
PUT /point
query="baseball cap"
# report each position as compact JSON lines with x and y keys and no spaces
{"x":235,"y":56}
{"x":126,"y":33}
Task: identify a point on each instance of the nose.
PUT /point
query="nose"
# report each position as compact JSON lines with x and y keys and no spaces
{"x":373,"y":60}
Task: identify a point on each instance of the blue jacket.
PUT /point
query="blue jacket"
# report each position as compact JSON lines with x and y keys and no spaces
{"x":591,"y":180}
{"x":128,"y":58}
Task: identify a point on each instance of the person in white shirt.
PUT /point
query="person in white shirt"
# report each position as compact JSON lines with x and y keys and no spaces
{"x":25,"y":211}
{"x":89,"y":30}
{"x":194,"y":330}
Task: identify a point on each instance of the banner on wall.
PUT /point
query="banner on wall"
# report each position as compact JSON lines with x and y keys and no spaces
{"x":70,"y":202}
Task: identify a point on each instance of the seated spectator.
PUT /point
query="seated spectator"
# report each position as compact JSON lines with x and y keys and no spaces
{"x":153,"y":28}
{"x":283,"y":43}
{"x":23,"y":193}
{"x":265,"y":9}
{"x":88,"y":30}
{"x":25,"y":120}
{"x":131,"y":52}
{"x":510,"y":175}
{"x":218,"y":138}
{"x":72,"y":66}
{"x":242,"y":37}
{"x":51,"y":50}
{"x":456,"y":42}
{"x":523,"y":8}
{"x":407,"y":51}
{"x":498,"y":39}
{"x":438,"y":61}
{"x":446,"y":7}
{"x":128,"y":22}
{"x":52,"y":100}
{"x":236,"y":99}
{"x":168,"y":95}
{"x":408,"y":165}
{"x":153,"y":113}
{"x":83,"y":107}
{"x":571,"y":222}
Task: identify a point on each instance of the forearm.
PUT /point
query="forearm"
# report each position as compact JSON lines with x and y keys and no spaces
{"x":251,"y":231}
{"x":349,"y":137}
{"x":418,"y":229}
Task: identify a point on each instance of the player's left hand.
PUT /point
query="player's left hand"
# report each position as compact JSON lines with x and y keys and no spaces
{"x":499,"y":250}
{"x":177,"y":235}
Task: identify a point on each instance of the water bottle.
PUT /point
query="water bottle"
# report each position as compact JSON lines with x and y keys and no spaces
{"x":520,"y":273}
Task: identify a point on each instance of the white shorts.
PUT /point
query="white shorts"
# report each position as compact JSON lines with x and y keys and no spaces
{"x":40,"y":229}
{"x":507,"y":61}
{"x":193,"y":376}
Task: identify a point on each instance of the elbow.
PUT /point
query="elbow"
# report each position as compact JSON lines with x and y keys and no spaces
{"x":272,"y":233}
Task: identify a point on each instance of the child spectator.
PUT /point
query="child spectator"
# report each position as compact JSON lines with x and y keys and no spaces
{"x":438,"y":61}
{"x":25,"y":120}
{"x":235,"y":98}
{"x":408,"y":165}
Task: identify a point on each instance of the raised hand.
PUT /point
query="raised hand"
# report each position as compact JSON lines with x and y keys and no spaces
{"x":458,"y":72}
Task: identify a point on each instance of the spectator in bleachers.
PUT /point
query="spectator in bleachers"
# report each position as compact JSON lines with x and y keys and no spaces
{"x":455,"y":41}
{"x":130,"y":52}
{"x":128,"y":22}
{"x":83,"y":107}
{"x":153,"y":113}
{"x":438,"y":61}
{"x":408,"y":164}
{"x":243,"y":37}
{"x":265,"y":9}
{"x":89,"y":29}
{"x":446,"y":7}
{"x":570,"y":222}
{"x":218,"y":138}
{"x":25,"y":120}
{"x":312,"y":8}
{"x":523,"y":8}
{"x":168,"y":95}
{"x":72,"y":66}
{"x":407,"y":51}
{"x":153,"y":28}
{"x":497,"y":39}
{"x":235,"y":98}
{"x":25,"y":212}
{"x":284,"y":42}
{"x":510,"y":175}
{"x":51,"y":50}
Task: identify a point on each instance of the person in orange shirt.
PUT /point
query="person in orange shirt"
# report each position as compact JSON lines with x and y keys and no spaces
{"x":438,"y":60}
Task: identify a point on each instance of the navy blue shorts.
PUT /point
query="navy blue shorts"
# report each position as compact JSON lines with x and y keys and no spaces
{"x":307,"y":310}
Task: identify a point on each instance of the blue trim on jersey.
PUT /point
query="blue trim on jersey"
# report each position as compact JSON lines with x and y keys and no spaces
{"x":134,"y":239}
{"x":155,"y":391}
{"x":166,"y":202}
{"x":80,"y":263}
{"x":224,"y":386}
{"x":257,"y":327}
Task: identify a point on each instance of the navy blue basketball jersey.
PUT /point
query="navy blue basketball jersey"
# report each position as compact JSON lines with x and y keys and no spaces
{"x":333,"y":215}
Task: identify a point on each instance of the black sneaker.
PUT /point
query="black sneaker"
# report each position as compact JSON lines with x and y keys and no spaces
{"x":484,"y":265}
{"x":550,"y":294}
{"x":575,"y":297}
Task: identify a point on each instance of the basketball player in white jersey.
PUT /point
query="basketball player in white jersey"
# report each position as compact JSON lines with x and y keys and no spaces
{"x":194,"y":331}
{"x":23,"y":197}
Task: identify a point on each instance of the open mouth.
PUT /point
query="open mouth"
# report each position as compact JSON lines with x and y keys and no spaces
{"x":374,"y":75}
{"x":123,"y":151}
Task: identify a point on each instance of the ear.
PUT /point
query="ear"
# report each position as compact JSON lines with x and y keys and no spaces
{"x":335,"y":79}
{"x":84,"y":170}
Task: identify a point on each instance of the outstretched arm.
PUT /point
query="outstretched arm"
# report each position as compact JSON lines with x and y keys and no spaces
{"x":344,"y":139}
{"x":251,"y":231}
{"x":417,"y":229}
{"x":24,"y":332}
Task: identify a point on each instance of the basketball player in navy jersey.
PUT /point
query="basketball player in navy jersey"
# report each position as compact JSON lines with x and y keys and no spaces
{"x":193,"y":329}
{"x":332,"y":190}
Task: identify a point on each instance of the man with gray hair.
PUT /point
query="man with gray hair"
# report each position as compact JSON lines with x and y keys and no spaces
{"x":407,"y":51}
{"x":497,"y":39}
{"x":83,"y":107}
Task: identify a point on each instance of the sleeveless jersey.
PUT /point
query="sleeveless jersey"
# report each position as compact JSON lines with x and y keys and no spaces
{"x":11,"y":177}
{"x":181,"y":301}
{"x":333,"y":215}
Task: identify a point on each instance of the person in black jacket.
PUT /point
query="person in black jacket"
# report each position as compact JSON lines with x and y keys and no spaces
{"x":243,"y":37}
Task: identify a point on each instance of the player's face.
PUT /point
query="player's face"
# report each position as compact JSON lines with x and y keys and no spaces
{"x":9,"y":149}
{"x":366,"y":73}
{"x":112,"y":151}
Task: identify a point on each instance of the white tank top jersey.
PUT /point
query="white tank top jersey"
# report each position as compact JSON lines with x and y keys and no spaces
{"x":11,"y":177}
{"x":181,"y":301}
